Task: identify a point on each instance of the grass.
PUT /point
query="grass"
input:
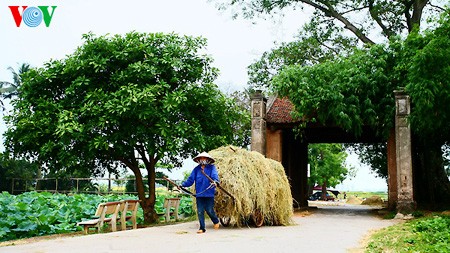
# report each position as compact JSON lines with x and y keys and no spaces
{"x":425,"y":234}
{"x":363,"y":195}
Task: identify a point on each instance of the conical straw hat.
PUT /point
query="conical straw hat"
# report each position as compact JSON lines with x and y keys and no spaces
{"x":204,"y":154}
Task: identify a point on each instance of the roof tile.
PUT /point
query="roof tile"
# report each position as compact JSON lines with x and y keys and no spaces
{"x":280,"y":111}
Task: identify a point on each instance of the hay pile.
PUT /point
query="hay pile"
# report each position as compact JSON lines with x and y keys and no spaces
{"x":373,"y":201}
{"x":258,"y":184}
{"x":354,"y":200}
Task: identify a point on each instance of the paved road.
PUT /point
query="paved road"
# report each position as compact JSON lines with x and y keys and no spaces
{"x":327,"y":229}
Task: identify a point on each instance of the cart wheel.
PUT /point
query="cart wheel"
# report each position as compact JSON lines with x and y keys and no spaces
{"x":258,"y":218}
{"x":225,"y":221}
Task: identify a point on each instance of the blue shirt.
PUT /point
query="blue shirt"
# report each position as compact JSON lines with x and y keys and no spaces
{"x":201,"y":182}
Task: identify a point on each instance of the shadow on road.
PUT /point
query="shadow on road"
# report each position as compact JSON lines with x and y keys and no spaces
{"x":345,"y":210}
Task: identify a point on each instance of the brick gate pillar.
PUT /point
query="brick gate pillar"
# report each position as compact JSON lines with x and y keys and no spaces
{"x":392,"y":171}
{"x":405,"y":197}
{"x":258,"y":141}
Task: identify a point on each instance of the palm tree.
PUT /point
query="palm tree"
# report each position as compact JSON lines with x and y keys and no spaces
{"x":7,"y":89}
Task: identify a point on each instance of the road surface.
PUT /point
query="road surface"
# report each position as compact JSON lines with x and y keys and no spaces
{"x":328,"y":229}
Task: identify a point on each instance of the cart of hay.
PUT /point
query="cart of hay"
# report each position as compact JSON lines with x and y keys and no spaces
{"x":252,"y":190}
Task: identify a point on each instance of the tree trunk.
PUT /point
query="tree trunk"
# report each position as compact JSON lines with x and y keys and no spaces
{"x":38,"y":176}
{"x":147,"y":204}
{"x":150,"y":215}
{"x":431,"y":184}
{"x":324,"y":191}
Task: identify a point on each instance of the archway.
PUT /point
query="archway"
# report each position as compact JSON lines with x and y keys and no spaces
{"x":273,"y":136}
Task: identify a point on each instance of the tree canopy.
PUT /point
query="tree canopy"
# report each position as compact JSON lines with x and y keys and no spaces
{"x":311,"y":46}
{"x":334,"y":29}
{"x":358,"y":90}
{"x":350,"y":92}
{"x":122,"y":101}
{"x":327,"y":164}
{"x":364,"y":19}
{"x":425,"y":61}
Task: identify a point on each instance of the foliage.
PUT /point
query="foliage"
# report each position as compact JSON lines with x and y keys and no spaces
{"x":427,"y":234}
{"x":356,"y":91}
{"x":8,"y":90}
{"x":327,"y":164}
{"x":311,"y":46}
{"x":426,"y":61}
{"x":11,"y":168}
{"x":364,"y":19}
{"x":35,"y":214}
{"x":122,"y":101}
{"x":242,"y":125}
{"x":349,"y":92}
{"x":323,"y":38}
{"x":333,"y":30}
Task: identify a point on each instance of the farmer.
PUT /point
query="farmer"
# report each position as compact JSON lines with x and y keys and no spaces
{"x":204,"y":189}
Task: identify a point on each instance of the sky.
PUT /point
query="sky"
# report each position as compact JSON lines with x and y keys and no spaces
{"x":232,"y":43}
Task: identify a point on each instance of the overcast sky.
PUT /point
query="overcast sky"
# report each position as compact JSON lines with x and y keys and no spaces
{"x":233,"y":44}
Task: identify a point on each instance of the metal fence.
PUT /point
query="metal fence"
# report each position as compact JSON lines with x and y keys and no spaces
{"x":81,"y":185}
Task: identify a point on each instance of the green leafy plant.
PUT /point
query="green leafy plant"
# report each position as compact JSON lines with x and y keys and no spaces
{"x":35,"y":214}
{"x":426,"y":234}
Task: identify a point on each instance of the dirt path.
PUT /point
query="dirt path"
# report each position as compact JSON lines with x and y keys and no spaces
{"x":327,"y":229}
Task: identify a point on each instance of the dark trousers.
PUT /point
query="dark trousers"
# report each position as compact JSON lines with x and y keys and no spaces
{"x":206,"y":204}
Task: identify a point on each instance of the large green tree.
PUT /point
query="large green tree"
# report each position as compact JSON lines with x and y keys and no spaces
{"x":122,"y":101}
{"x":334,"y":29}
{"x":327,"y":165}
{"x":357,"y":90}
{"x":363,"y":19}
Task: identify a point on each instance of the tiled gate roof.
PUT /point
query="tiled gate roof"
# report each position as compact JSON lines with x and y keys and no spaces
{"x":279,"y":111}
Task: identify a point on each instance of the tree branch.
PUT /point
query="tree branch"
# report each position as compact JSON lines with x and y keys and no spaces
{"x":417,"y":13}
{"x":329,"y":11}
{"x":408,"y":5}
{"x":417,"y":10}
{"x":376,"y":17}
{"x":134,"y":166}
{"x":355,"y":9}
{"x":437,"y":7}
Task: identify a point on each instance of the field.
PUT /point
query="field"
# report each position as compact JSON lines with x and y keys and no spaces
{"x":36,"y":214}
{"x":364,"y":195}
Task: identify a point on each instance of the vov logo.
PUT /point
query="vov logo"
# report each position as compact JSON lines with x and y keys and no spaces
{"x":32,"y":16}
